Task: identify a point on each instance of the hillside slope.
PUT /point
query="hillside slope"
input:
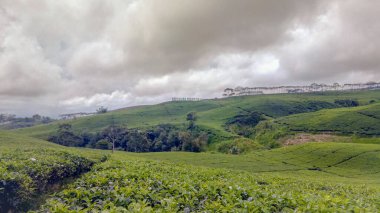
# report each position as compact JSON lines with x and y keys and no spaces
{"x":212,"y":114}
{"x":363,"y":120}
{"x":306,"y":178}
{"x":332,"y":162}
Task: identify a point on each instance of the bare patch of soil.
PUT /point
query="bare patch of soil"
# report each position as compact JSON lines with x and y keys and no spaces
{"x":310,"y":138}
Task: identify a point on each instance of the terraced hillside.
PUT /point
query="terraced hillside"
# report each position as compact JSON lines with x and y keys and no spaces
{"x":312,"y":177}
{"x":213,"y":114}
{"x":363,"y":120}
{"x":329,"y":177}
{"x":337,"y":162}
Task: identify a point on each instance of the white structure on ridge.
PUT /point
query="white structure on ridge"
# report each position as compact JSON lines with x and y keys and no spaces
{"x":241,"y":91}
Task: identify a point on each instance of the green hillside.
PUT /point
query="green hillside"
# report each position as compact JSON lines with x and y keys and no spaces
{"x":132,"y":184}
{"x":363,"y":120}
{"x":212,"y":114}
{"x":334,"y":162}
{"x":309,"y":177}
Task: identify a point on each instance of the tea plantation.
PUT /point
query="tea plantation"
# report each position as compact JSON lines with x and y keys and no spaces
{"x":329,"y":177}
{"x":363,"y":120}
{"x":212,"y":114}
{"x":31,"y":167}
{"x":131,"y":184}
{"x":341,"y":174}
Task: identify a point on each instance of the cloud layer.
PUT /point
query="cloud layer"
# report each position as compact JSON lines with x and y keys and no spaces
{"x":66,"y":56}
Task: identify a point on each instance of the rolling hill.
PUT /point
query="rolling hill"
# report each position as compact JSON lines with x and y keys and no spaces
{"x":333,"y":177}
{"x":362,"y":120}
{"x":213,"y":114}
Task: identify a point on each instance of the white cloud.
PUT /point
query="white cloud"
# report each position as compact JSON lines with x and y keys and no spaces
{"x":81,"y":54}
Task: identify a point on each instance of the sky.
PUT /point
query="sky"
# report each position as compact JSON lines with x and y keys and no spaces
{"x":75,"y":56}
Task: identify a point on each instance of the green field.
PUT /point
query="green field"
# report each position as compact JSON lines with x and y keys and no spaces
{"x":363,"y":120}
{"x":212,"y":114}
{"x":341,"y":174}
{"x":327,"y":177}
{"x":337,"y":162}
{"x":130,"y":183}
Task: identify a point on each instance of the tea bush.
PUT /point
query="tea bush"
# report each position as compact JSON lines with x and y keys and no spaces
{"x":26,"y":173}
{"x":132,"y":184}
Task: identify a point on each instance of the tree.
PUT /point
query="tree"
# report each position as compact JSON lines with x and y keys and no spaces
{"x":102,"y":144}
{"x":191,"y":117}
{"x":66,"y":137}
{"x":138,"y":142}
{"x":101,"y":110}
{"x":37,"y":117}
{"x":114,"y":134}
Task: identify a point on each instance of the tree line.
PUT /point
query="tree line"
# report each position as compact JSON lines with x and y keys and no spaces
{"x":10,"y":121}
{"x":162,"y":138}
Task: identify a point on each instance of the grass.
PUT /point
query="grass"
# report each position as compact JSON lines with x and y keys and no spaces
{"x":212,"y":114}
{"x":363,"y":120}
{"x":337,"y":176}
{"x":334,"y":162}
{"x":329,"y":177}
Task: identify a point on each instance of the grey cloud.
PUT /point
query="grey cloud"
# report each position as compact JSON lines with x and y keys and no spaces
{"x":74,"y":55}
{"x":178,"y":35}
{"x":345,"y":44}
{"x":23,"y":69}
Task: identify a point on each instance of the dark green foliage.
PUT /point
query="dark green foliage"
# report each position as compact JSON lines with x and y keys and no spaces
{"x":137,"y":142}
{"x":244,"y":123}
{"x":347,"y":103}
{"x":66,"y":137}
{"x":116,"y":135}
{"x":161,"y":138}
{"x":246,"y":119}
{"x":277,"y":108}
{"x":191,"y":118}
{"x":192,"y":142}
{"x":102,"y":144}
{"x":164,"y":138}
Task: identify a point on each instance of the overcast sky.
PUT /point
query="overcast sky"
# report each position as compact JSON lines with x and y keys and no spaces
{"x":77,"y":55}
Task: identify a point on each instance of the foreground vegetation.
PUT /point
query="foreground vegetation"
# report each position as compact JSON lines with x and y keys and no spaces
{"x":31,"y":167}
{"x":328,"y":162}
{"x":339,"y":175}
{"x":330,"y":177}
{"x":126,"y":183}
